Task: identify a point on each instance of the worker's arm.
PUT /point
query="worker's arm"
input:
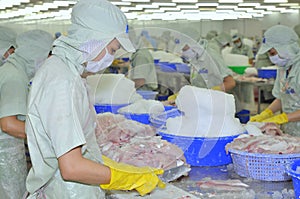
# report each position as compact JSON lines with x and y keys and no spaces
{"x":12,"y":126}
{"x":275,"y":106}
{"x":139,"y":82}
{"x":228,"y":83}
{"x":74,"y":167}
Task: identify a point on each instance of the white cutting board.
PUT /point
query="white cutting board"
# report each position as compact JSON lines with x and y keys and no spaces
{"x":170,"y":192}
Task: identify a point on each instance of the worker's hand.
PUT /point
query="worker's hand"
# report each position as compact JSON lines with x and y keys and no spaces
{"x":278,"y":119}
{"x":262,"y":116}
{"x":127,"y":177}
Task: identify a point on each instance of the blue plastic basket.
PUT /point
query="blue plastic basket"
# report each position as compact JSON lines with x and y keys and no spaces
{"x":200,"y":151}
{"x":147,"y":94}
{"x":182,"y":68}
{"x":291,"y":170}
{"x":267,"y":73}
{"x":266,"y":167}
{"x":167,"y":67}
{"x":113,"y":108}
{"x":142,"y":118}
{"x":156,"y":61}
{"x":159,"y":120}
{"x":243,"y":115}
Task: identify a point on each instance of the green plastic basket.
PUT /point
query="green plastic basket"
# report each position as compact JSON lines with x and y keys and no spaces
{"x":238,"y":69}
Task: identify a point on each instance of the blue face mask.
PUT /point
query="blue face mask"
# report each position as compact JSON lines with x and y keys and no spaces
{"x":275,"y":59}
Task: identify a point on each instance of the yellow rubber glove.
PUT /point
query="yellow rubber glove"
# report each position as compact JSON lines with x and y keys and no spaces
{"x":217,"y":88}
{"x":127,"y":177}
{"x":172,"y":97}
{"x":262,"y":116}
{"x":278,"y":119}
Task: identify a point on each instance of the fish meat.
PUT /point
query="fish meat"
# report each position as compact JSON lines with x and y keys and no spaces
{"x":135,"y":143}
{"x":226,"y":185}
{"x":267,"y":144}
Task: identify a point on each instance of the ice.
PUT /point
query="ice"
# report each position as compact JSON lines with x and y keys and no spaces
{"x":207,"y":113}
{"x":143,"y":106}
{"x":112,"y":89}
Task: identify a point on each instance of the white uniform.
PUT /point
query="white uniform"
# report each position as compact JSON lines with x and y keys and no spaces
{"x":59,"y":119}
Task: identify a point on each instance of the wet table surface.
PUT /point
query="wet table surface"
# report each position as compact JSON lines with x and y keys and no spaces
{"x":257,"y":189}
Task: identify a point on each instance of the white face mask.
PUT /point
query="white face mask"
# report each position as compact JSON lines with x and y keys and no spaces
{"x":278,"y":61}
{"x":238,"y":44}
{"x":188,"y":54}
{"x":96,"y":66}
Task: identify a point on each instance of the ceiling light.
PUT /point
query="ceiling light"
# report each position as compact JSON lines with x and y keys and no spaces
{"x":207,"y":4}
{"x":230,"y":1}
{"x":136,"y":0}
{"x":153,"y":11}
{"x":164,"y":4}
{"x":185,"y":1}
{"x":146,"y":6}
{"x":248,"y":4}
{"x":275,"y":1}
{"x":187,"y":7}
{"x":119,"y":3}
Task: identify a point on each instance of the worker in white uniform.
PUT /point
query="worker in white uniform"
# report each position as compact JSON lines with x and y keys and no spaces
{"x":7,"y":43}
{"x":61,"y":121}
{"x":33,"y":48}
{"x":207,"y":68}
{"x":281,"y":43}
{"x":142,"y":70}
{"x":219,"y":42}
{"x":240,"y":48}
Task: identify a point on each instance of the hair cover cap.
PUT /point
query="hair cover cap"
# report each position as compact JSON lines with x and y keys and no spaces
{"x":7,"y":38}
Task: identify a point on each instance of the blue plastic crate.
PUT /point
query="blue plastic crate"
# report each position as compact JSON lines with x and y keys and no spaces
{"x":182,"y":68}
{"x":291,"y":170}
{"x":142,"y":118}
{"x":267,"y":73}
{"x":200,"y":151}
{"x":147,"y":94}
{"x":266,"y":167}
{"x":243,"y":115}
{"x":113,"y":108}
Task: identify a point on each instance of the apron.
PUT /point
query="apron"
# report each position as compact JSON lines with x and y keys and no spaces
{"x":290,"y":101}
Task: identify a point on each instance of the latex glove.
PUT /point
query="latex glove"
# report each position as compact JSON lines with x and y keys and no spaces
{"x":172,"y":97}
{"x":127,"y":177}
{"x":262,"y":116}
{"x":217,"y":88}
{"x":278,"y":119}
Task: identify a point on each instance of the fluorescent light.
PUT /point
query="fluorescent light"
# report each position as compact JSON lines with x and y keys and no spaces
{"x":164,"y":4}
{"x":146,"y":6}
{"x":289,"y":4}
{"x":290,"y":11}
{"x":275,"y":1}
{"x":207,"y":4}
{"x":226,"y":7}
{"x":153,"y":10}
{"x":168,"y":8}
{"x":248,"y":4}
{"x":185,"y":1}
{"x":120,"y":3}
{"x":136,"y":0}
{"x":230,"y":1}
{"x":187,"y":7}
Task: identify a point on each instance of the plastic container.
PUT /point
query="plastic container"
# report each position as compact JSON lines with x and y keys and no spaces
{"x":267,"y":73}
{"x":182,"y":68}
{"x":126,"y":59}
{"x":113,"y":108}
{"x":200,"y":151}
{"x":266,"y":167}
{"x":291,"y":170}
{"x":142,"y":118}
{"x":238,"y":69}
{"x":156,"y":61}
{"x":167,"y":67}
{"x":162,"y":97}
{"x":159,"y":120}
{"x":147,"y":94}
{"x":243,"y":115}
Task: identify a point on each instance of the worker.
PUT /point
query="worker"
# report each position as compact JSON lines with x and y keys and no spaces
{"x":7,"y":43}
{"x":142,"y":71}
{"x":240,"y":48}
{"x":297,"y":30}
{"x":15,"y":75}
{"x":207,"y":70}
{"x":211,"y":34}
{"x":281,"y":43}
{"x":60,"y":125}
{"x":220,"y":42}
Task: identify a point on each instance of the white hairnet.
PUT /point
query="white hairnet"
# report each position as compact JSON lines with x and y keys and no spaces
{"x":33,"y":46}
{"x":99,"y":20}
{"x":7,"y":38}
{"x":283,"y":39}
{"x":223,"y":38}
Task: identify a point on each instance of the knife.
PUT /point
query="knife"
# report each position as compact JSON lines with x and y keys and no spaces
{"x":175,"y":173}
